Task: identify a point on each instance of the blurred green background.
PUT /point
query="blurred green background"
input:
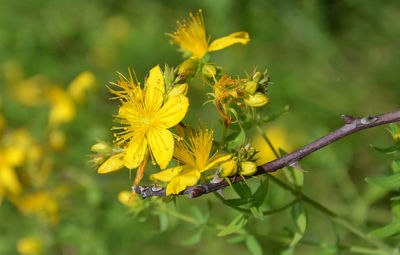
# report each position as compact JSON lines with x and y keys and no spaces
{"x":326,"y":58}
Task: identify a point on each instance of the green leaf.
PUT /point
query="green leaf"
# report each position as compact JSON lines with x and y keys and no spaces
{"x":237,"y":141}
{"x":198,"y":215}
{"x":389,"y":182}
{"x":300,"y":221}
{"x":261,"y":193}
{"x":253,"y":245}
{"x":257,"y":213}
{"x":193,"y":239}
{"x":237,"y":224}
{"x":389,"y":150}
{"x":236,"y":202}
{"x":163,"y":218}
{"x":237,"y":239}
{"x":275,"y":116}
{"x":242,"y":190}
{"x":297,"y":176}
{"x":396,"y":209}
{"x":388,"y":230}
{"x":396,"y":166}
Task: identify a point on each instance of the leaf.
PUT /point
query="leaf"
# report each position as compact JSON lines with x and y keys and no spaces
{"x":275,"y":116}
{"x":389,"y":182}
{"x":193,"y":239}
{"x":237,"y":239}
{"x":237,"y":224}
{"x":253,"y":245}
{"x":163,"y":218}
{"x":297,"y":176}
{"x":242,"y":190}
{"x":257,"y":213}
{"x":237,"y":141}
{"x":261,"y":193}
{"x":300,"y":221}
{"x":396,"y":209}
{"x":389,"y":150}
{"x":396,"y":166}
{"x":388,"y":230}
{"x":198,"y":215}
{"x":236,"y":202}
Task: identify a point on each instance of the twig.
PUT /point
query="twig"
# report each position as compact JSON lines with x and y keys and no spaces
{"x":352,"y":125}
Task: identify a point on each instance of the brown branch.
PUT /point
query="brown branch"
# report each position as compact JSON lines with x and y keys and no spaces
{"x":352,"y":125}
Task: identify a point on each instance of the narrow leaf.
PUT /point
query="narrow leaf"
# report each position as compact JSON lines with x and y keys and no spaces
{"x":237,"y":224}
{"x":390,"y":182}
{"x":388,"y":230}
{"x":253,"y":245}
{"x":242,"y":190}
{"x":237,"y":141}
{"x":194,"y":239}
{"x":389,"y":150}
{"x":261,"y":193}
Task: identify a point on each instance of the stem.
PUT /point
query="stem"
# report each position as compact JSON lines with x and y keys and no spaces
{"x":224,"y":130}
{"x":261,"y":132}
{"x":139,"y":173}
{"x":332,"y":215}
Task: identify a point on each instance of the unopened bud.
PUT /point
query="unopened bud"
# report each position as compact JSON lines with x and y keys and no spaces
{"x":257,"y":76}
{"x":101,"y":147}
{"x":256,"y":100}
{"x":180,"y":89}
{"x":228,"y":168}
{"x":251,"y":87}
{"x":247,"y":168}
{"x":188,"y":67}
{"x":209,"y":70}
{"x":98,"y":159}
{"x":112,"y":164}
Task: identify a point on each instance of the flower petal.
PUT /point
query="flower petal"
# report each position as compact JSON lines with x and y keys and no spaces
{"x":134,"y":151}
{"x":188,"y":177}
{"x":226,"y":41}
{"x":173,"y":111}
{"x":161,"y":143}
{"x":166,"y":175}
{"x":155,"y":89}
{"x":9,"y":181}
{"x":215,"y":160}
{"x":112,"y":164}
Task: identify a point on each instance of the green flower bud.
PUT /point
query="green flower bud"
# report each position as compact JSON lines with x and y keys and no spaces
{"x":101,"y":147}
{"x":228,"y":168}
{"x":257,"y":76}
{"x":180,"y":89}
{"x":247,"y":168}
{"x":188,"y":67}
{"x":256,"y":100}
{"x":251,"y":87}
{"x":209,"y":70}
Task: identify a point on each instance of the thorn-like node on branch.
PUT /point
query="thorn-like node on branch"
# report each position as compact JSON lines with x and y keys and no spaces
{"x":348,"y":119}
{"x":368,"y":119}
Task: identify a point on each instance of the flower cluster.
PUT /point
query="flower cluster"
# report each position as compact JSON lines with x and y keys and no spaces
{"x":151,"y":117}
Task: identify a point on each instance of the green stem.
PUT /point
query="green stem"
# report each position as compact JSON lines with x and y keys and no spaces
{"x":177,"y":215}
{"x":332,"y":215}
{"x":224,"y":130}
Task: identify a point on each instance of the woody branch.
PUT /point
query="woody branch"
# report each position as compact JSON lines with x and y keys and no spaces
{"x":352,"y":125}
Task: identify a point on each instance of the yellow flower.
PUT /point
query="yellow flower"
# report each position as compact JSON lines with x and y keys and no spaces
{"x":112,"y":164}
{"x":62,"y":106}
{"x":29,"y":246}
{"x":83,"y":82}
{"x":147,"y":114}
{"x":191,"y":36}
{"x":194,"y":156}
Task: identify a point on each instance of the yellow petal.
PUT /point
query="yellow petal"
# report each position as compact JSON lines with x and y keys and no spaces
{"x":134,"y":151}
{"x":9,"y":180}
{"x":226,"y":41}
{"x":186,"y":178}
{"x":78,"y":87}
{"x":29,"y":246}
{"x":173,"y":111}
{"x":166,"y":175}
{"x":161,"y":143}
{"x":113,"y":164}
{"x":155,"y":89}
{"x":215,"y":160}
{"x":63,"y":108}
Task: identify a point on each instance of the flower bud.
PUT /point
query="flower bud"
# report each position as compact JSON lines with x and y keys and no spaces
{"x":256,"y":100}
{"x":228,"y":168}
{"x":257,"y":76}
{"x":251,"y":87}
{"x":209,"y":70}
{"x":180,"y":89}
{"x":101,"y":147}
{"x":247,"y":168}
{"x":112,"y":164}
{"x":188,"y":67}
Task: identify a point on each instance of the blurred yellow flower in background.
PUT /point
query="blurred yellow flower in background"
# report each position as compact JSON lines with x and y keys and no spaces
{"x":193,"y":153}
{"x":191,"y":36}
{"x":30,"y":246}
{"x":80,"y":85}
{"x":147,"y":117}
{"x":278,"y":137}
